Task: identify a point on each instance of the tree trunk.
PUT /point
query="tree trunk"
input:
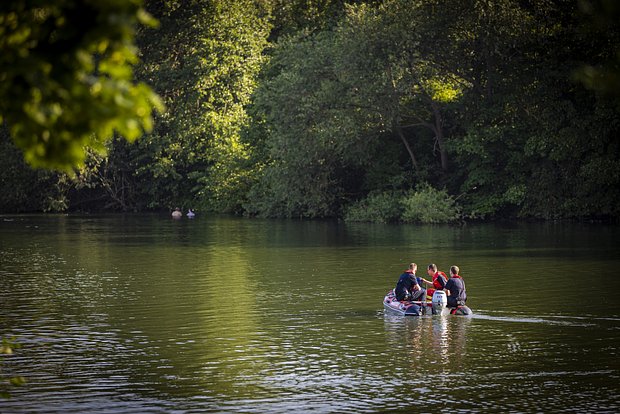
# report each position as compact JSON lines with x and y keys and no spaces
{"x":399,"y":130}
{"x":438,"y":129}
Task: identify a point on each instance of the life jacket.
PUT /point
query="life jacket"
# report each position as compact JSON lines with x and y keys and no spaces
{"x":436,"y":283}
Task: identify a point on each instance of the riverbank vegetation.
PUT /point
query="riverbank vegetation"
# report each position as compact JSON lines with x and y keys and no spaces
{"x":393,"y":110}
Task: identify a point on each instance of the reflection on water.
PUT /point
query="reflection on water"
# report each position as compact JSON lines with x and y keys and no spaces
{"x":429,"y":340}
{"x":146,"y":314}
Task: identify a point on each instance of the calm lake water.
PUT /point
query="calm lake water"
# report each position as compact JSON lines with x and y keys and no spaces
{"x":145,"y":314}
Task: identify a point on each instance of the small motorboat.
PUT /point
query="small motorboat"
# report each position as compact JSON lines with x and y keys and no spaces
{"x":437,"y":306}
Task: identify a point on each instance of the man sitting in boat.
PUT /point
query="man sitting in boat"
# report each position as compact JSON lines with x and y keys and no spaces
{"x":408,"y":287}
{"x":455,"y":289}
{"x":439,"y":280}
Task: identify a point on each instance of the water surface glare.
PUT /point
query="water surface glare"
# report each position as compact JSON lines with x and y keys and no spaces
{"x":131,"y":314}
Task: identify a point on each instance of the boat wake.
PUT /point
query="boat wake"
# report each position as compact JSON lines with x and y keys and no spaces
{"x":548,"y":319}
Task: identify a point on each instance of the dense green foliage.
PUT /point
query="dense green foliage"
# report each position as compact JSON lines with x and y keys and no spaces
{"x":393,"y":110}
{"x":427,"y":205}
{"x":66,"y":77}
{"x":204,"y":64}
{"x":24,"y":189}
{"x":423,"y":205}
{"x":378,"y":208}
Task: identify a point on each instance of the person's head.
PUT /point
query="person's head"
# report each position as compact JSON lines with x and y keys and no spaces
{"x":454,"y":270}
{"x":431,"y":269}
{"x":413,"y":267}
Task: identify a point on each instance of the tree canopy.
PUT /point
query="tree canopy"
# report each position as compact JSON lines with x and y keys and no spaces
{"x":66,"y":77}
{"x":367,"y":110}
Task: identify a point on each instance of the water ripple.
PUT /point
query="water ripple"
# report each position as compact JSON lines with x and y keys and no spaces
{"x":148,"y":315}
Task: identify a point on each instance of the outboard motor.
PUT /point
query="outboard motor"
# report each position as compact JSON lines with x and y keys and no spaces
{"x":440,"y":301}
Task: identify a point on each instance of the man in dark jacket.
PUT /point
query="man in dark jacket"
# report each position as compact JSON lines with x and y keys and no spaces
{"x":455,"y":288}
{"x":408,"y":286}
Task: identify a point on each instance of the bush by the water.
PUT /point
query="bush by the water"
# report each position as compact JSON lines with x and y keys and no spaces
{"x":428,"y":205}
{"x":424,"y":205}
{"x":376,"y":208}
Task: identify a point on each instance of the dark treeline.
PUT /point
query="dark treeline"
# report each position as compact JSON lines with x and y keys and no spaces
{"x":395,"y":110}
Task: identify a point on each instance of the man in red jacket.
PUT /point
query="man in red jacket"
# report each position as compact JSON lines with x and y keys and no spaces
{"x":439,"y":280}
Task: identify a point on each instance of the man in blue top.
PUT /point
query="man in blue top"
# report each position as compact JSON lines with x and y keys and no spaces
{"x":408,"y":286}
{"x":455,"y":289}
